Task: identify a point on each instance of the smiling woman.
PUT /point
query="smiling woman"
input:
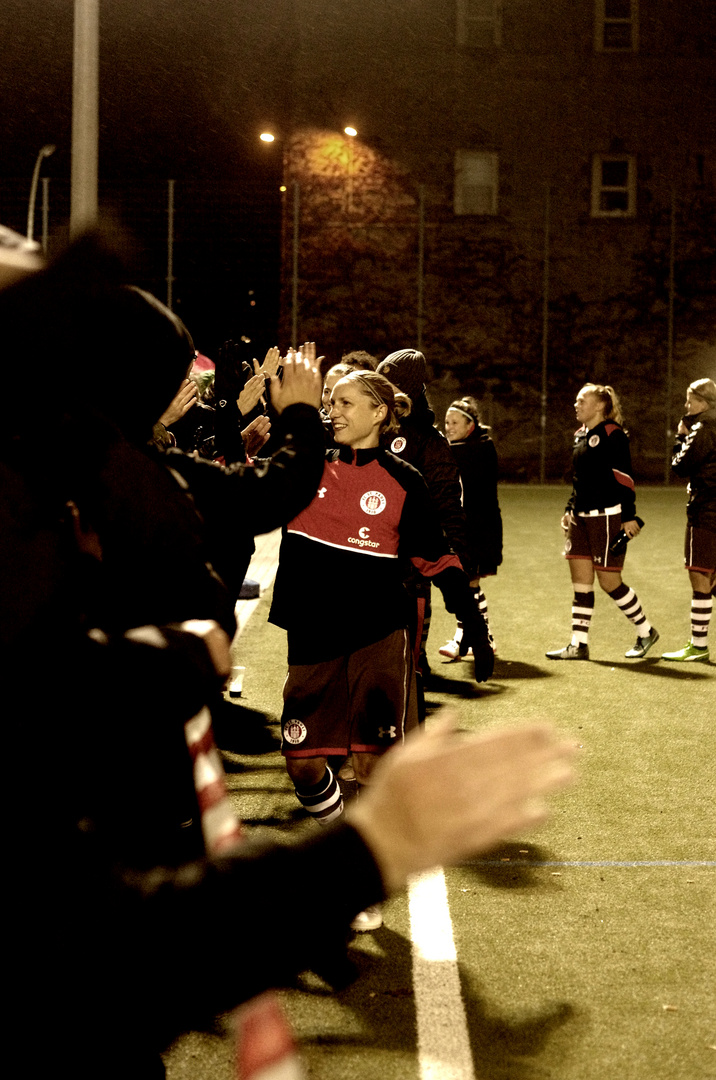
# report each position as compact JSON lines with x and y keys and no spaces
{"x":351,"y":686}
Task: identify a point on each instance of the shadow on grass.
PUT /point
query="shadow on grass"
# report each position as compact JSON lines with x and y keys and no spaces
{"x":516,"y":669}
{"x":381,"y":995}
{"x":292,"y":817}
{"x":383,"y":1000}
{"x":652,"y":666}
{"x":505,"y":1048}
{"x":513,"y":865}
{"x":440,"y":684}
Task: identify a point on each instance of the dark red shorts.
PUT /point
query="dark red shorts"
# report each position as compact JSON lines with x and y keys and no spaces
{"x":364,"y":702}
{"x":590,"y":537}
{"x":700,"y":550}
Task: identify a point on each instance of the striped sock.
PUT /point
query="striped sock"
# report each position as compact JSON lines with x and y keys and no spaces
{"x":701,"y":608}
{"x":323,"y":800}
{"x":582,"y":611}
{"x":482,"y":608}
{"x":628,"y":602}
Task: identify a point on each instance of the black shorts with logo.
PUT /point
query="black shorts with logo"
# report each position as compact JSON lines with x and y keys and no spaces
{"x":589,"y":537}
{"x":364,"y":702}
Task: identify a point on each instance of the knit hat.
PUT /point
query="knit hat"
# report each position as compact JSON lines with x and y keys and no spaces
{"x":705,"y":390}
{"x":406,"y":369}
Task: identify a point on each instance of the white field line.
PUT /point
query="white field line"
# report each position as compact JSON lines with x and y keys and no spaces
{"x":443,"y":1043}
{"x":262,"y":568}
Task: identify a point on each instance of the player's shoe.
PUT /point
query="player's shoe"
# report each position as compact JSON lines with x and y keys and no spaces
{"x":451,"y":649}
{"x":370,"y":919}
{"x":642,"y":645}
{"x":570,"y":652}
{"x":689,"y":652}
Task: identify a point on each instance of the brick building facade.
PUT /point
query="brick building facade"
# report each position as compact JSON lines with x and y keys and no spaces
{"x":505,"y":147}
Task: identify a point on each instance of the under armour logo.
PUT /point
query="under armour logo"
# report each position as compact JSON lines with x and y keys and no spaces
{"x":322,"y":493}
{"x":386,"y":733}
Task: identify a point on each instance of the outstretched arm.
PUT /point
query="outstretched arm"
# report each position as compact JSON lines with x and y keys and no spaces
{"x":444,"y":797}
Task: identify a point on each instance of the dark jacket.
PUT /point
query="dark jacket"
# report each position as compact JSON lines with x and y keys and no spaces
{"x":694,"y":457}
{"x":602,"y":473}
{"x":425,"y":448}
{"x":477,"y":461}
{"x":370,"y":521}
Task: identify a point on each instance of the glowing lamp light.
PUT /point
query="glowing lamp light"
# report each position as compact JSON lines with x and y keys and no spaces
{"x":266,"y":136}
{"x":282,"y":188}
{"x":350,"y":131}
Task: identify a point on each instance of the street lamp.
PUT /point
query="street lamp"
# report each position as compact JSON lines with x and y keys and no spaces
{"x":44,"y":152}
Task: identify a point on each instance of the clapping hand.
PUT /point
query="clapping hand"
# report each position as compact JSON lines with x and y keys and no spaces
{"x":180,"y":404}
{"x":270,"y":365}
{"x":251,"y":394}
{"x":256,"y":435}
{"x":301,"y":382}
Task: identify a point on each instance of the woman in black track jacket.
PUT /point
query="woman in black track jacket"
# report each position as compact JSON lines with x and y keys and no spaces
{"x":601,"y":504}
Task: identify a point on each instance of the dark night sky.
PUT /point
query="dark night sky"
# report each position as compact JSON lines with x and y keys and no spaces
{"x":176,"y":101}
{"x":175,"y":93}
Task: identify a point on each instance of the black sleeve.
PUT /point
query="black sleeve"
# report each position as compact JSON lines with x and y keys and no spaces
{"x":620,"y":454}
{"x":691,"y":451}
{"x":262,"y":497}
{"x":442,"y":477}
{"x":424,"y":542}
{"x":297,"y":900}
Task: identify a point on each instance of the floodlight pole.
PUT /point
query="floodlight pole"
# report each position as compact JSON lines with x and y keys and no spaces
{"x":44,"y":152}
{"x":85,"y":116}
{"x":670,"y":340}
{"x":421,"y":264}
{"x":45,"y":212}
{"x":170,"y":244}
{"x":545,"y":341}
{"x":294,"y":276}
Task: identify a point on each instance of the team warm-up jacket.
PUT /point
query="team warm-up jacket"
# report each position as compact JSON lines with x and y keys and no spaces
{"x":343,"y":559}
{"x":425,"y":448}
{"x":476,"y":459}
{"x":602,"y":474}
{"x":694,"y":456}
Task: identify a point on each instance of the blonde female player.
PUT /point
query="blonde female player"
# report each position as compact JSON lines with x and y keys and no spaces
{"x":350,"y":688}
{"x":602,"y":503}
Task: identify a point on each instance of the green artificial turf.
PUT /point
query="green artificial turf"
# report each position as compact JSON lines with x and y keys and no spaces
{"x":567,"y":971}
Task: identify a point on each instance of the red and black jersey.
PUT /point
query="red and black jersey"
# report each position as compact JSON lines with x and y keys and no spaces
{"x":343,"y":559}
{"x":602,"y":470}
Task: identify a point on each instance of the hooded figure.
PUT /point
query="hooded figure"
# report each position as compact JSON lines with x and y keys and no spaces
{"x":421,"y":444}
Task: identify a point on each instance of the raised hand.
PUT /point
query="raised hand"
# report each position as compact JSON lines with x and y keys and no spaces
{"x":301,"y":383}
{"x":443,"y":797}
{"x":250,"y":396}
{"x":270,"y":365}
{"x":180,"y":404}
{"x":256,"y":435}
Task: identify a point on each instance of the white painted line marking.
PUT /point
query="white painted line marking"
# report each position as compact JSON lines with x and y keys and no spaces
{"x":443,"y":1043}
{"x":262,"y":568}
{"x":537,"y":863}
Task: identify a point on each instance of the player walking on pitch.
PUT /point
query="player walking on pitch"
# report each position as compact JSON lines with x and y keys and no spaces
{"x":601,"y":504}
{"x":351,"y":685}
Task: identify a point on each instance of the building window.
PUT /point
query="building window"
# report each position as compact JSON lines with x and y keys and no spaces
{"x":613,"y":185}
{"x":479,"y":24}
{"x":616,"y":25}
{"x":475,"y":182}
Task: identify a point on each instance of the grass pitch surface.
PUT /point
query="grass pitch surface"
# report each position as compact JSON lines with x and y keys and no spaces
{"x":586,"y":950}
